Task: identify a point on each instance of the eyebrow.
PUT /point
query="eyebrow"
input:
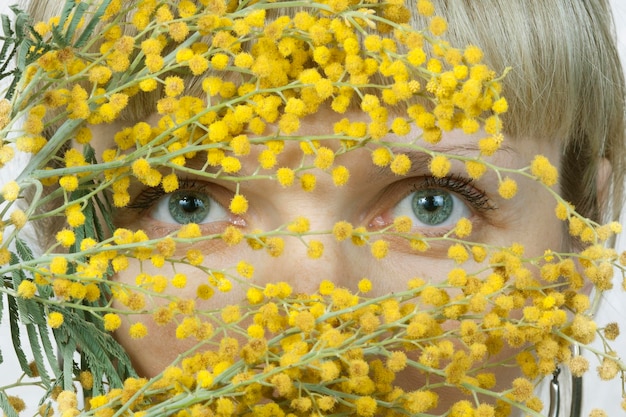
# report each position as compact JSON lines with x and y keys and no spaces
{"x":199,"y":164}
{"x":420,"y":159}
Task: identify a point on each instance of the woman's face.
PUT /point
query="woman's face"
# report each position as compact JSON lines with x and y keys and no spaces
{"x":372,"y":198}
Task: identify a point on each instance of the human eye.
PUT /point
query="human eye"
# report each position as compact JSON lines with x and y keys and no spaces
{"x":432,"y":207}
{"x":188,"y":206}
{"x":193,"y":202}
{"x":439,"y":203}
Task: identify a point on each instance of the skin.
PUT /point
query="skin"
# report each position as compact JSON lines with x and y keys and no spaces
{"x":370,"y":199}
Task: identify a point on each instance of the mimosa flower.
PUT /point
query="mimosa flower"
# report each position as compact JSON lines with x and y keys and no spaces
{"x":336,"y":141}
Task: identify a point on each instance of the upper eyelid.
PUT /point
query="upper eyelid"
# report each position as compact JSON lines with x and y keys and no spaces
{"x":150,"y":195}
{"x":146,"y":198}
{"x":459,"y":185}
{"x":462,"y":186}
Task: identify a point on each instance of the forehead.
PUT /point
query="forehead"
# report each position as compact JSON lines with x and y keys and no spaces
{"x":515,"y":153}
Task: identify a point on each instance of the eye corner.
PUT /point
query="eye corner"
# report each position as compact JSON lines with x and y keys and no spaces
{"x":433,"y":204}
{"x":193,"y":202}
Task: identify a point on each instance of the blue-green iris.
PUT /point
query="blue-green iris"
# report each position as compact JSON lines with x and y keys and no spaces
{"x":189,"y":206}
{"x":432,"y":207}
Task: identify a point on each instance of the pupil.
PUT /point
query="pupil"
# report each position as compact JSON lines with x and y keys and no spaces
{"x":432,"y":203}
{"x":189,"y":204}
{"x":432,"y":206}
{"x":189,"y":207}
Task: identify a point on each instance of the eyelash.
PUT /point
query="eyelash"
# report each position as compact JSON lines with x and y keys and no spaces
{"x":464,"y":187}
{"x":149,"y":196}
{"x":461,"y":186}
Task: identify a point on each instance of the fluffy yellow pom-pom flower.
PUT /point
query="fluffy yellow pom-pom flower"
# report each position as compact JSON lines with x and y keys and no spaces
{"x":507,"y":188}
{"x":308,"y":182}
{"x":401,"y":164}
{"x":463,"y":228}
{"x":285,"y":176}
{"x":26,"y":289}
{"x":55,"y":319}
{"x":138,"y":331}
{"x":239,"y":204}
{"x":325,"y":158}
{"x":74,"y":215}
{"x":112,"y":322}
{"x":381,"y":157}
{"x":541,"y":168}
{"x":66,"y":238}
{"x":299,"y":225}
{"x":458,"y":253}
{"x":315,"y":249}
{"x":475,"y":169}
{"x":10,"y":191}
{"x":365,"y":285}
{"x":379,"y":249}
{"x":340,"y":175}
{"x":439,"y":166}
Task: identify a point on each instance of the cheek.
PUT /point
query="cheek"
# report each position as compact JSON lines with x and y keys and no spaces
{"x":532,"y":225}
{"x":164,"y":299}
{"x":530,"y":221}
{"x":342,"y":263}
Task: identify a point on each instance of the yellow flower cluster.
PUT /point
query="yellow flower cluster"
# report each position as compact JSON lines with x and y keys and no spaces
{"x":298,"y":63}
{"x":349,"y":351}
{"x":227,"y":83}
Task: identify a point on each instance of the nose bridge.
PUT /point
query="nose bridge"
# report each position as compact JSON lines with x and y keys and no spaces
{"x":302,"y":213}
{"x":304,"y":273}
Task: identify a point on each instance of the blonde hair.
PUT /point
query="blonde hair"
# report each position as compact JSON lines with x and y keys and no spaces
{"x":566,"y":82}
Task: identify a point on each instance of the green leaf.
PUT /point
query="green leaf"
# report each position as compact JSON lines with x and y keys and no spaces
{"x":21,"y":20}
{"x":23,"y":251}
{"x":16,"y":47}
{"x":12,"y":87}
{"x":15,"y":9}
{"x":87,"y":32}
{"x":33,"y":338}
{"x":14,"y":320}
{"x":67,"y":355}
{"x":57,"y":37}
{"x":76,"y":18}
{"x":31,"y":315}
{"x":1,"y":311}
{"x":6,"y":26}
{"x":23,"y":51}
{"x":3,"y":54}
{"x":49,"y":350}
{"x":27,"y":308}
{"x":105,"y":208}
{"x":104,"y":356}
{"x":65,"y":13}
{"x":5,"y":406}
{"x":90,"y":154}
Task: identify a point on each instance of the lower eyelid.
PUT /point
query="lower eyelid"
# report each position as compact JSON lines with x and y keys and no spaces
{"x":142,"y":207}
{"x":158,"y":229}
{"x":456,"y":213}
{"x":437,"y":248}
{"x":162,"y":208}
{"x":475,"y":202}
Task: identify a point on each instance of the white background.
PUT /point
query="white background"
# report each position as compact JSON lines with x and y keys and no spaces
{"x":613,"y":308}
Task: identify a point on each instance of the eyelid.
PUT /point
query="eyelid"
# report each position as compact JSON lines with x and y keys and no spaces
{"x":151,"y":195}
{"x":461,"y":186}
{"x":149,"y":198}
{"x":476,"y":200}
